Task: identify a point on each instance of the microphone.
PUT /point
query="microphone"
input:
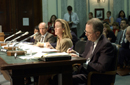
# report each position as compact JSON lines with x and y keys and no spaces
{"x":30,"y":36}
{"x":19,"y":37}
{"x":12,"y":35}
{"x":25,"y":39}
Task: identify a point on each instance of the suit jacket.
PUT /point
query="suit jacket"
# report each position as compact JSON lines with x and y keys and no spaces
{"x":102,"y":56}
{"x":48,"y":38}
{"x":64,"y":44}
{"x":125,"y":45}
{"x":119,"y":37}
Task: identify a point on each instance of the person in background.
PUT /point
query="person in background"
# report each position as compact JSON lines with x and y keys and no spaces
{"x":111,"y":20}
{"x":51,"y":24}
{"x":121,"y":16}
{"x":72,"y":19}
{"x":44,"y":35}
{"x":124,"y":51}
{"x":36,"y":29}
{"x":90,"y":15}
{"x":108,"y":33}
{"x":121,"y":34}
{"x":83,"y":37}
{"x":115,"y":28}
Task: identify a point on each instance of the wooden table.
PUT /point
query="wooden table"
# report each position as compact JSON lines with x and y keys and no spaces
{"x":25,"y":68}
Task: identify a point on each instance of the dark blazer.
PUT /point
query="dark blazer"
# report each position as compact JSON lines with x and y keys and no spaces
{"x":49,"y":38}
{"x":102,"y":57}
{"x":126,"y":45}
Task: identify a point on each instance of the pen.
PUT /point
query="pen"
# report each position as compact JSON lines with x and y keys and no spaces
{"x":71,"y":48}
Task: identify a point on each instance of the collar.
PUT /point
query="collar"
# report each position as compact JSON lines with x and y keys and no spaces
{"x":44,"y":35}
{"x":95,"y":43}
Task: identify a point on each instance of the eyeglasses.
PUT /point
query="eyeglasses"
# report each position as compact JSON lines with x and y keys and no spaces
{"x":87,"y":32}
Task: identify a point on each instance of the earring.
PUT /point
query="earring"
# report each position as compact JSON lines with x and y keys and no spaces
{"x":63,"y":31}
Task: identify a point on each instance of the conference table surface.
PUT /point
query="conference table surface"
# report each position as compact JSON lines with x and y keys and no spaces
{"x":20,"y":68}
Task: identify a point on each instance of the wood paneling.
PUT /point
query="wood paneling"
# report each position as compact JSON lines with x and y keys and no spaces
{"x":12,"y":13}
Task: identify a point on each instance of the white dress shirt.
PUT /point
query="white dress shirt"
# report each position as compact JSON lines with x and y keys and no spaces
{"x":43,"y":37}
{"x":74,"y":19}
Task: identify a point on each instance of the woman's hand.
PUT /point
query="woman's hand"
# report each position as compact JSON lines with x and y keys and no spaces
{"x":48,"y":45}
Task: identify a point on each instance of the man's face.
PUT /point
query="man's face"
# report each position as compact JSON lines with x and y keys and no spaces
{"x":108,"y":15}
{"x":89,"y":32}
{"x":42,"y":29}
{"x":90,"y":16}
{"x":123,"y":24}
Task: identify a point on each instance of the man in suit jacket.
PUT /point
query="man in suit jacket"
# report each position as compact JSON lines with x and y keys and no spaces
{"x":44,"y":35}
{"x":99,"y":57}
{"x":121,"y":33}
{"x":124,"y":51}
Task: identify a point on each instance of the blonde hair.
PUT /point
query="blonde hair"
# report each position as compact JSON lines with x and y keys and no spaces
{"x":108,"y":27}
{"x":65,"y":26}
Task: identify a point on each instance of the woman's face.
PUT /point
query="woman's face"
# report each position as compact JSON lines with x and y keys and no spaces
{"x":104,"y":29}
{"x":58,"y":29}
{"x":53,"y":19}
{"x":121,"y":14}
{"x":114,"y":27}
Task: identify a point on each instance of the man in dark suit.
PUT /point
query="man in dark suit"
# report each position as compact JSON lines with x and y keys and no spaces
{"x":121,"y":33}
{"x":44,"y":35}
{"x":124,"y":51}
{"x":98,"y":52}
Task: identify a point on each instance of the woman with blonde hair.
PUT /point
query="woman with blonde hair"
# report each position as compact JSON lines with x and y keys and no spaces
{"x":108,"y":33}
{"x":64,"y":42}
{"x":64,"y":36}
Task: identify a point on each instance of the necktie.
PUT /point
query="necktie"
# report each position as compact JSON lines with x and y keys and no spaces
{"x":121,"y":37}
{"x":42,"y":39}
{"x":89,"y":56}
{"x":70,"y":18}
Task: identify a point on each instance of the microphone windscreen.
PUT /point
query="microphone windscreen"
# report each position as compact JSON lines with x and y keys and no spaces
{"x":18,"y":32}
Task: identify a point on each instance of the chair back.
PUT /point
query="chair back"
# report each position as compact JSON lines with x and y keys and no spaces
{"x":80,"y":46}
{"x":114,"y":63}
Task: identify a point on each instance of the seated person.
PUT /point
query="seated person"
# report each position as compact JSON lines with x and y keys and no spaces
{"x":36,"y":29}
{"x":64,"y":42}
{"x":115,"y":28}
{"x":121,"y":16}
{"x":99,"y":52}
{"x":111,"y":20}
{"x":51,"y":24}
{"x":74,"y":39}
{"x":124,"y":51}
{"x":64,"y":36}
{"x":108,"y":33}
{"x":121,"y":34}
{"x":44,"y":35}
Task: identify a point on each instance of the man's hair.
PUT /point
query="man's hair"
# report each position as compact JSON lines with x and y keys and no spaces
{"x":109,"y":12}
{"x":69,"y":8}
{"x":97,"y":24}
{"x":125,"y":20}
{"x":91,"y":13}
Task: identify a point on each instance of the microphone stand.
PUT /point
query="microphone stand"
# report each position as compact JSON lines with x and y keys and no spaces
{"x":12,"y":35}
